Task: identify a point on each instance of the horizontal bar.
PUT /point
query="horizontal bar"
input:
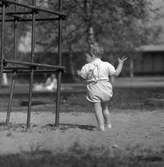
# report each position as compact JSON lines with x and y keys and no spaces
{"x":17,"y":68}
{"x":18,"y":13}
{"x":34,"y":64}
{"x":19,"y":19}
{"x":34,"y":7}
{"x":28,"y":71}
{"x":23,"y":68}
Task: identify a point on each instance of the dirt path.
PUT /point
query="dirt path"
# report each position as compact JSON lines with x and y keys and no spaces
{"x":130,"y":129}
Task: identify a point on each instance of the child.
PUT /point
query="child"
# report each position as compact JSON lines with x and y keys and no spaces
{"x":99,"y":90}
{"x":49,"y":85}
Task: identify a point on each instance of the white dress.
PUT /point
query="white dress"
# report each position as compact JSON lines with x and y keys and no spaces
{"x":96,"y":73}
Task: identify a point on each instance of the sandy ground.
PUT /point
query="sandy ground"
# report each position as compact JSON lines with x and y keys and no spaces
{"x":130,"y":129}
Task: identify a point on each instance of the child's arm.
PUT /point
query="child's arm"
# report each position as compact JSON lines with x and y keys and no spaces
{"x":80,"y":75}
{"x":120,"y":66}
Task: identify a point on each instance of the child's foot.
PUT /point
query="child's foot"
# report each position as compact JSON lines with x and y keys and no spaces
{"x":109,"y":126}
{"x":115,"y":146}
{"x":102,"y":128}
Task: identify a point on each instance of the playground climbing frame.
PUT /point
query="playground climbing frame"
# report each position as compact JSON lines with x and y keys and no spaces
{"x":11,"y":66}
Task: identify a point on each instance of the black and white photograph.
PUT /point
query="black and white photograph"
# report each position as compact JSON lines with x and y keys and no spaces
{"x":81,"y":83}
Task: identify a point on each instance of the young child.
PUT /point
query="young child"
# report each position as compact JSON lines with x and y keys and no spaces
{"x":96,"y":73}
{"x":49,"y":85}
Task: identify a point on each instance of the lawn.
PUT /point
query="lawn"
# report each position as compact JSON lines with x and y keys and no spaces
{"x":136,"y":138}
{"x":124,"y":98}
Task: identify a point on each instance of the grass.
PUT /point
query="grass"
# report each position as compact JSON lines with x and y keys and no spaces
{"x":137,"y":98}
{"x":123,"y":98}
{"x":77,"y":156}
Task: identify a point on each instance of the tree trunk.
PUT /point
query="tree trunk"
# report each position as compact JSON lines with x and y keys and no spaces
{"x":131,"y":67}
{"x":71,"y":64}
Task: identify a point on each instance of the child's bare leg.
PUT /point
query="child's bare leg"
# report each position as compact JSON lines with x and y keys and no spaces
{"x":106,"y":113}
{"x":99,"y":115}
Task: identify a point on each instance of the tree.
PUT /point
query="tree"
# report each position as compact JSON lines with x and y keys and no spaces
{"x":120,"y":26}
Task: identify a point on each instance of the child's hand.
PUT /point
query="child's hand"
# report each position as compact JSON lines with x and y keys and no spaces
{"x":121,"y":60}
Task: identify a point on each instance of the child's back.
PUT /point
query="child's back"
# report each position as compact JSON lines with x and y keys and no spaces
{"x":97,"y":70}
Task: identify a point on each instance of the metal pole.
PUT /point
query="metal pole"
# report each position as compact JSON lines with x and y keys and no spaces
{"x":33,"y":7}
{"x":34,"y":64}
{"x":13,"y":77}
{"x":32,"y":71}
{"x":18,"y":12}
{"x":60,"y":63}
{"x":10,"y":99}
{"x":20,"y":19}
{"x":2,"y":39}
{"x":22,"y":70}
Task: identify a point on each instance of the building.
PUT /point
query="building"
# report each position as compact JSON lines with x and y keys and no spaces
{"x":149,"y":60}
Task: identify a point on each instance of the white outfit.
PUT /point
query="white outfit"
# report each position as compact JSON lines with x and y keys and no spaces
{"x":52,"y":85}
{"x":97,"y":74}
{"x":49,"y":86}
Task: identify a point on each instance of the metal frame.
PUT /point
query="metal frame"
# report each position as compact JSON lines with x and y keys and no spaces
{"x":30,"y":67}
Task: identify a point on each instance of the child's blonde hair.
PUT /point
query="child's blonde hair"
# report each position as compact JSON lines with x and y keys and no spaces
{"x":96,"y":50}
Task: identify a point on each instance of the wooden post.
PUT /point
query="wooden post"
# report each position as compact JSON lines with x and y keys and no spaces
{"x":131,"y":67}
{"x":58,"y":98}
